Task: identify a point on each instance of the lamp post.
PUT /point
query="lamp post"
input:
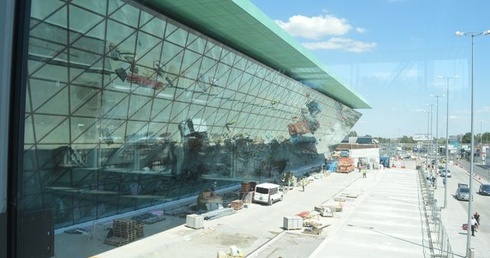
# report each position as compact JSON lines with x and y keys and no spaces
{"x":481,"y":142}
{"x":447,"y":133}
{"x":470,"y":185}
{"x":430,"y":133}
{"x":436,"y":164}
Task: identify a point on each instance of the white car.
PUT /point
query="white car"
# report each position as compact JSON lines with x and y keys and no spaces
{"x":463,"y":192}
{"x":443,"y":173}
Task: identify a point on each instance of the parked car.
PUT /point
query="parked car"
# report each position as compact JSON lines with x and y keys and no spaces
{"x":484,"y":189}
{"x":463,"y":192}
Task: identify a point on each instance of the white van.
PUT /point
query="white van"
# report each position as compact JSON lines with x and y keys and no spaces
{"x":267,"y":193}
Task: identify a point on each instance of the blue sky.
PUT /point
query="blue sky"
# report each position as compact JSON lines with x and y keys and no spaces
{"x":392,"y":52}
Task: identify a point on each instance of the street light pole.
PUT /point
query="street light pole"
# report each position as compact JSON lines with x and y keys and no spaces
{"x":470,"y":185}
{"x":481,"y":141}
{"x":430,"y":135}
{"x":436,"y":164}
{"x":447,"y":133}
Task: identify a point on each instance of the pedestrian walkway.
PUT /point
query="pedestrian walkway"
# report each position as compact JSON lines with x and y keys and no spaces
{"x":386,"y":218}
{"x":388,"y":221}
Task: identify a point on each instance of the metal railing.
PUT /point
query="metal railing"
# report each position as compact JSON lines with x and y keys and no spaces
{"x":438,"y":239}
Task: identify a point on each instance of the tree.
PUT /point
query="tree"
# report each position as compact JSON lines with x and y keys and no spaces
{"x":466,"y":138}
{"x":406,"y":139}
{"x":384,"y":140}
{"x":486,"y":137}
{"x":352,"y":134}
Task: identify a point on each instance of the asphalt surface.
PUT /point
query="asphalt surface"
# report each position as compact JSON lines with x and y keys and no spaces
{"x":456,"y":212}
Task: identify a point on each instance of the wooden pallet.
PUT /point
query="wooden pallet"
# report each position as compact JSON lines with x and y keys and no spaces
{"x":129,"y":229}
{"x":116,"y":241}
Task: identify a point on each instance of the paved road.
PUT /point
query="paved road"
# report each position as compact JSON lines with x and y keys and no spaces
{"x":456,"y":212}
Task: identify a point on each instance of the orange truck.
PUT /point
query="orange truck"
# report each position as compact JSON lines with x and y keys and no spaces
{"x":345,"y":164}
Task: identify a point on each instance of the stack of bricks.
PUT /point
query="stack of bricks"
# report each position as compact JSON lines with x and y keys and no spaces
{"x":125,"y":231}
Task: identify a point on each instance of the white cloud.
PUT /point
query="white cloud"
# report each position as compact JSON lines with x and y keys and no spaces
{"x":382,"y":76}
{"x":361,"y":30}
{"x":485,"y":109}
{"x":319,"y":27}
{"x":315,"y":27}
{"x":411,"y":73}
{"x":345,"y":44}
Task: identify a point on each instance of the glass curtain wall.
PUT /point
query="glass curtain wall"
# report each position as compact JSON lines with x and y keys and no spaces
{"x":127,"y":109}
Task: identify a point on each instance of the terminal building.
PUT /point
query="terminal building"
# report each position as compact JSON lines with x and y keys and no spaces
{"x":114,"y":106}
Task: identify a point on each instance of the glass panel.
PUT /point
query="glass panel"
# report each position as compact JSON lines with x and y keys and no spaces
{"x":40,"y":10}
{"x":213,"y":51}
{"x":42,"y":91}
{"x":139,"y":108}
{"x":94,"y":6}
{"x":191,"y":64}
{"x":115,"y":106}
{"x":53,"y":104}
{"x":160,"y":109}
{"x":227,"y":57}
{"x":58,"y":18}
{"x":57,"y":135}
{"x":240,"y":63}
{"x":84,"y":130}
{"x":29,"y":131}
{"x":176,"y":36}
{"x":171,"y":58}
{"x":124,"y":13}
{"x":82,"y":21}
{"x":148,"y":50}
{"x":234,"y":79}
{"x":45,"y":124}
{"x":155,"y":27}
{"x":86,"y":77}
{"x":122,"y":38}
{"x":196,"y":44}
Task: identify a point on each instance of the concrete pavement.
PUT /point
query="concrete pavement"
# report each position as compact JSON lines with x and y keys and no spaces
{"x":384,"y":216}
{"x":388,"y":221}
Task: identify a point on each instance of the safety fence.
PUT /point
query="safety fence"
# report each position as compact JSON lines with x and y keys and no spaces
{"x":438,"y":243}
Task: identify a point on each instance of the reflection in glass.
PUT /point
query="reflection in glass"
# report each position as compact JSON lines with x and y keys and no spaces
{"x":149,"y":112}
